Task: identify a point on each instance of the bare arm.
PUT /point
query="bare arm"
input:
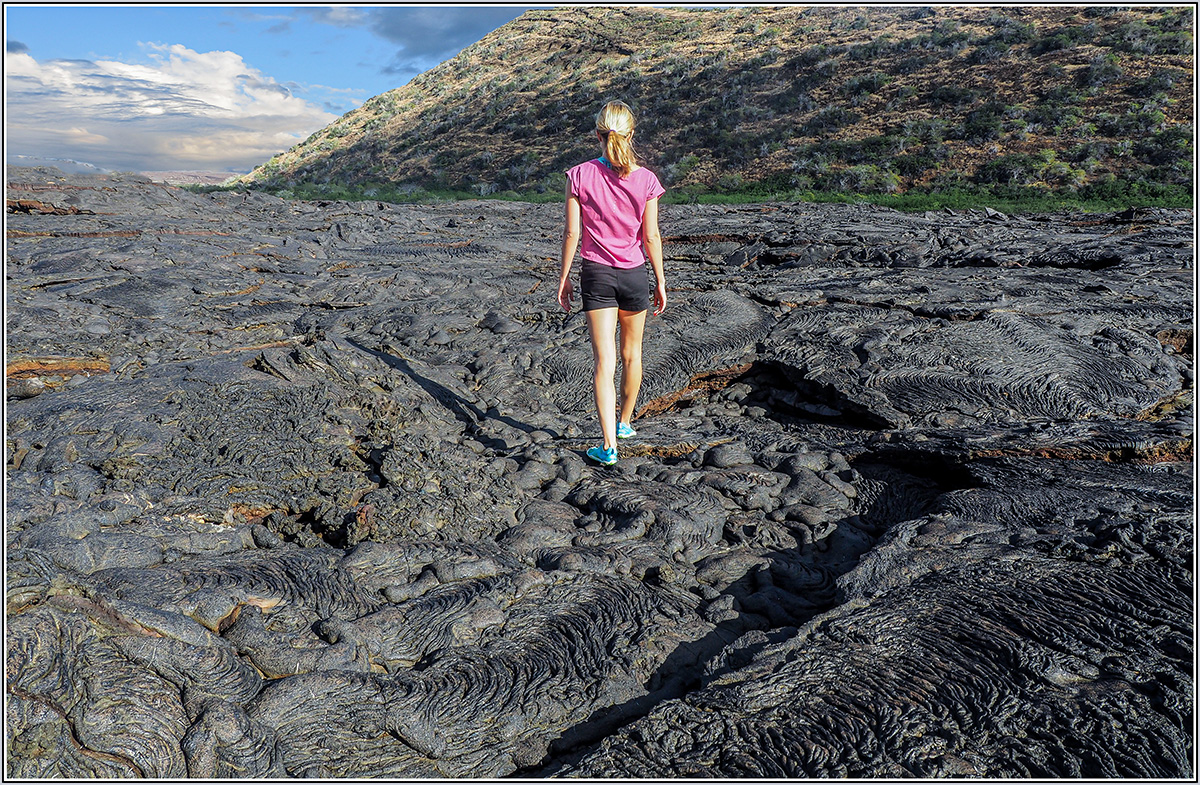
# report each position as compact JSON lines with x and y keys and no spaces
{"x":570,"y":242}
{"x":652,"y":241}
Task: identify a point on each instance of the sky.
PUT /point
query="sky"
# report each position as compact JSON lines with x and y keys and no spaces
{"x":218,"y":88}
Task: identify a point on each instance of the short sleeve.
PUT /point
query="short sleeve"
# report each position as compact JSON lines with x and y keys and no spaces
{"x":573,"y":179}
{"x":654,"y":188}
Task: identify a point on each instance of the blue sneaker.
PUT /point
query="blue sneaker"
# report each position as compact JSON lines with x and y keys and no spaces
{"x":602,"y":456}
{"x":624,"y":431}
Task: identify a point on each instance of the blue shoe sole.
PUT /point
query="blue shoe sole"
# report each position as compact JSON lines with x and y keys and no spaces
{"x":602,"y":456}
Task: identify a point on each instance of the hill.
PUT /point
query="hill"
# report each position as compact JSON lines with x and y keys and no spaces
{"x":770,"y":100}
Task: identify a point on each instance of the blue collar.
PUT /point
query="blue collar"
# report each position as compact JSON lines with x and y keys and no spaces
{"x":604,"y":161}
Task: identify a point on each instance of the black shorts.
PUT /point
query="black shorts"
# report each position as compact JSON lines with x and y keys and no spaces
{"x":614,"y":287}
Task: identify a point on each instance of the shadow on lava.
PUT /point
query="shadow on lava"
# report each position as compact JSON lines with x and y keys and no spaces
{"x":463,"y":410}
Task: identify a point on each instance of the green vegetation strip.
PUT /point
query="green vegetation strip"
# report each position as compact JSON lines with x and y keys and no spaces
{"x":1107,"y":196}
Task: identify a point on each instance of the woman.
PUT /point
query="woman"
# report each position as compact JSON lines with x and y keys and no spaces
{"x":612,"y":206}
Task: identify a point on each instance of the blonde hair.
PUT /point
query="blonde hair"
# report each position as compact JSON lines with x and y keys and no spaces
{"x":615,"y":124}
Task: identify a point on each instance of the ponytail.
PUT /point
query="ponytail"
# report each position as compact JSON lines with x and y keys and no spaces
{"x":618,"y":150}
{"x":615,"y":124}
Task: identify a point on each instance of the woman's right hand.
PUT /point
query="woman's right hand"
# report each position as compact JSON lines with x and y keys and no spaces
{"x":660,"y":298}
{"x":566,"y":294}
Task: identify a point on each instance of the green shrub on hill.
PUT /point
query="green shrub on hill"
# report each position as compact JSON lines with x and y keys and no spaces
{"x":1141,"y":37}
{"x":1102,"y":70}
{"x":866,"y":84}
{"x":984,"y":124}
{"x":1012,"y":169}
{"x":1063,"y":38}
{"x":1168,"y":146}
{"x":829,"y":119}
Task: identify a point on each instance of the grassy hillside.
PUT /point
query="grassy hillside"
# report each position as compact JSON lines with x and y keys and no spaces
{"x":1092,"y":101}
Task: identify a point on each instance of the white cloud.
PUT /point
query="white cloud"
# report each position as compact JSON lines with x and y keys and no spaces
{"x":337,"y":15}
{"x":83,"y":136}
{"x":180,"y":110}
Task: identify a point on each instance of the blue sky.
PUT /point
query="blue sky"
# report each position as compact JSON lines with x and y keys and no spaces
{"x":216,"y":88}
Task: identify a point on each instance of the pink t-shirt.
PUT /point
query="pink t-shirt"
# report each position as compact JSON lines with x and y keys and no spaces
{"x":611,"y":212}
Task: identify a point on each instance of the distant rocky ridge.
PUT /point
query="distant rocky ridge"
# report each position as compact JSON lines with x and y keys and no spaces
{"x":192,"y":178}
{"x":70,"y":167}
{"x":64,"y":165}
{"x":855,"y":99}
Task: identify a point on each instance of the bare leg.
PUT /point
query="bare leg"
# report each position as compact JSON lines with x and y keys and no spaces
{"x":633,"y":323}
{"x":602,"y":326}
